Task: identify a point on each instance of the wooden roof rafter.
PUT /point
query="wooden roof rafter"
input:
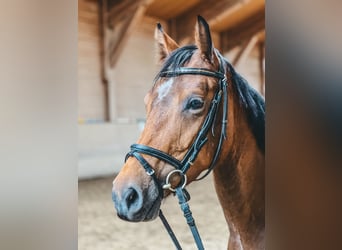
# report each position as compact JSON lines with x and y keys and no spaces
{"x":235,"y":20}
{"x":232,"y":21}
{"x":250,"y":26}
{"x":183,"y":25}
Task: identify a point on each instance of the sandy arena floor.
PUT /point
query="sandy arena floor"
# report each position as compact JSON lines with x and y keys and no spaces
{"x":100,"y":229}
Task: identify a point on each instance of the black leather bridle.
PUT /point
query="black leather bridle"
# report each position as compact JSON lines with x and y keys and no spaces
{"x":183,"y":165}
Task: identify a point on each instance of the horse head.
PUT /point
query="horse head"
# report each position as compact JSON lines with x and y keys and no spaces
{"x":177,"y":107}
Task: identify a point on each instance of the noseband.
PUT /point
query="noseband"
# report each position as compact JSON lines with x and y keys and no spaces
{"x":181,"y":166}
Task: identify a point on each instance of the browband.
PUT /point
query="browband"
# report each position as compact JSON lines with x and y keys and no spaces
{"x":192,"y":71}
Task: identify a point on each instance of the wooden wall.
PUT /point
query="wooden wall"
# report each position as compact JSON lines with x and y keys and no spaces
{"x":135,"y":71}
{"x":90,"y":88}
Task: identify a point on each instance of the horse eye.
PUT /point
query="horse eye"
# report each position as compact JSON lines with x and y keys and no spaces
{"x":195,"y":104}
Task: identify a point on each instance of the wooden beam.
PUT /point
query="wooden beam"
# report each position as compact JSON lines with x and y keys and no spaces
{"x":167,"y":9}
{"x":209,"y":9}
{"x":121,"y":10}
{"x":122,"y":19}
{"x":261,"y":47}
{"x":261,"y":36}
{"x":103,"y":64}
{"x":243,"y":31}
{"x":116,"y":39}
{"x":236,"y":14}
{"x":245,"y":51}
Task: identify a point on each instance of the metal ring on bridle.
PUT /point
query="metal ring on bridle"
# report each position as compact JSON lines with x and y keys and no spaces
{"x":168,"y":184}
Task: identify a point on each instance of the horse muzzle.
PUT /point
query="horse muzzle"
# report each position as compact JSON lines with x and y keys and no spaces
{"x":135,"y":204}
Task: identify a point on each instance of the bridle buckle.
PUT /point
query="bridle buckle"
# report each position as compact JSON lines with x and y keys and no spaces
{"x":150,"y":172}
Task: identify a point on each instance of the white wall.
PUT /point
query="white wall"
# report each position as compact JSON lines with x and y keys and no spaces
{"x":102,"y":148}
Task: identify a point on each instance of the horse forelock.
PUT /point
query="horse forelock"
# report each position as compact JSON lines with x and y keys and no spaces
{"x":178,"y":58}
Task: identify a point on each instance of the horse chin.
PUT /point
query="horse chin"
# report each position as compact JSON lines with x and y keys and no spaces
{"x":147,"y":213}
{"x":153,"y":212}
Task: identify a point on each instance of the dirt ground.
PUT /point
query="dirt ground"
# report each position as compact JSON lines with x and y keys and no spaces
{"x":100,"y":229}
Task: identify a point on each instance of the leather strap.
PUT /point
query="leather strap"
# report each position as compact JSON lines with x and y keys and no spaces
{"x":150,"y":171}
{"x":189,"y":218}
{"x":169,"y":230}
{"x":192,"y":71}
{"x":155,"y":153}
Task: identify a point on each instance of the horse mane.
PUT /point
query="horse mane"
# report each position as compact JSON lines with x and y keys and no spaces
{"x":250,"y":99}
{"x":254,"y":105}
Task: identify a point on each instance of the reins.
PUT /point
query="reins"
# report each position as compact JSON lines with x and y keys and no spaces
{"x":181,"y":166}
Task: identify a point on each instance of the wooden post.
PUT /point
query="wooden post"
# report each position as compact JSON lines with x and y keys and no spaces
{"x":104,"y":76}
{"x":261,"y":47}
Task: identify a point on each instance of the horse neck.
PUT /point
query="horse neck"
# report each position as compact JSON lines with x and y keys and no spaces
{"x":239,"y":175}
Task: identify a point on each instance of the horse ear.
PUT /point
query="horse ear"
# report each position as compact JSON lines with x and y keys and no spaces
{"x":165,"y":44}
{"x":203,"y":39}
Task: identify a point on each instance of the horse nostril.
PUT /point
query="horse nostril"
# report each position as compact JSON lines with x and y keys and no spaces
{"x":132,"y":197}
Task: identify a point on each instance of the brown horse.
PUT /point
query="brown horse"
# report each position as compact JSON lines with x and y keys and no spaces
{"x":177,"y":107}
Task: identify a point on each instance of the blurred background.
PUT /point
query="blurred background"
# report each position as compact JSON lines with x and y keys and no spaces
{"x":42,"y":145}
{"x":116,"y":67}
